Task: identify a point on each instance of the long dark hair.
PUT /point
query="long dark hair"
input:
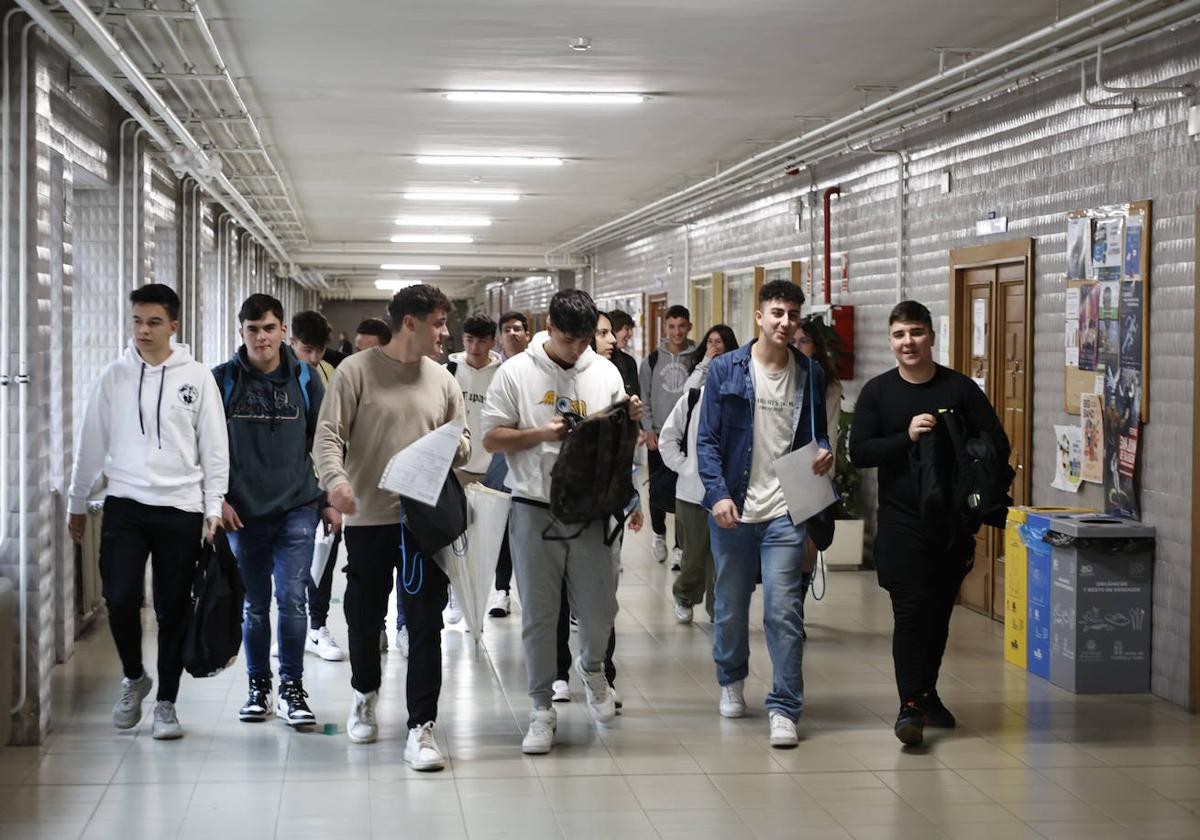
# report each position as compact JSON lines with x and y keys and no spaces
{"x":814,"y":327}
{"x":727,"y":336}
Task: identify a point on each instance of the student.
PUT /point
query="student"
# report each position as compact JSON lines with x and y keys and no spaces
{"x":271,"y":510}
{"x":371,"y":332}
{"x":757,"y":408}
{"x":664,"y":374}
{"x":695,"y":581}
{"x":523,"y":417}
{"x":622,"y":332}
{"x":382,"y":400}
{"x":920,"y":567}
{"x":310,"y":334}
{"x":344,"y":347}
{"x":153,"y":427}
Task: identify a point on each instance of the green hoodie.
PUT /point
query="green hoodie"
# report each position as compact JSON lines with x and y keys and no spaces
{"x":271,"y":427}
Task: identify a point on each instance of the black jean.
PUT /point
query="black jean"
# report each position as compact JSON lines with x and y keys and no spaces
{"x":373,"y":555}
{"x":171,"y":538}
{"x":658,"y":516}
{"x":504,"y":565}
{"x":321,"y":594}
{"x":921,"y":607}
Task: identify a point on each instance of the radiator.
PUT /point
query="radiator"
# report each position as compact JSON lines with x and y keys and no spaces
{"x":88,"y":558}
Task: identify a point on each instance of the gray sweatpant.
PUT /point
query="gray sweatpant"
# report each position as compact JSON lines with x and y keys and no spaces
{"x":590,"y":570}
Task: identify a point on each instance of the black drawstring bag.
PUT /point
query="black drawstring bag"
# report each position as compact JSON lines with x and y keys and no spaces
{"x":214,"y":634}
{"x":436,"y":526}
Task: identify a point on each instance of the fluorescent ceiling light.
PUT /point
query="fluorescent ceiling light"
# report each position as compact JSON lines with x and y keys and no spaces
{"x":409,"y":267}
{"x":546,"y":97}
{"x":386,"y":285}
{"x":460,"y":195}
{"x":486,"y":160}
{"x":444,"y":221}
{"x":434,"y":238}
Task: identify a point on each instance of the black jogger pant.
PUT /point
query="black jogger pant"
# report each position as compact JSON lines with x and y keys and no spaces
{"x":921,"y":608}
{"x":658,"y":516}
{"x":504,"y":569}
{"x":321,"y":594}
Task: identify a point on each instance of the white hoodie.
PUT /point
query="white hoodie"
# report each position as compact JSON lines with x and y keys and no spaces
{"x":688,"y":487}
{"x":528,"y":391}
{"x":474,"y":383}
{"x":157,"y":432}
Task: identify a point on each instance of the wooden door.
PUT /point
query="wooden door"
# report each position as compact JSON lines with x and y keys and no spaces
{"x":656,"y":308}
{"x":979,"y":587}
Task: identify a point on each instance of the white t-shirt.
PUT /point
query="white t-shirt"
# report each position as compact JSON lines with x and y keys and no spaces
{"x":774,"y":406}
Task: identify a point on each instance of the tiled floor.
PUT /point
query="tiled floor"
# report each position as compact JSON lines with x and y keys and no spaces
{"x":1028,"y":760}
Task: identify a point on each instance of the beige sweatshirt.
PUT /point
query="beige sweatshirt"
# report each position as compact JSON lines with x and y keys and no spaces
{"x":374,"y":407}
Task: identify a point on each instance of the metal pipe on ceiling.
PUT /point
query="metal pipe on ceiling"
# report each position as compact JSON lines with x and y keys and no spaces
{"x":121,"y":212}
{"x":901,"y":163}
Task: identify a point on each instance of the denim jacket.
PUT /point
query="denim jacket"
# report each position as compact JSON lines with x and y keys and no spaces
{"x":725,"y":441}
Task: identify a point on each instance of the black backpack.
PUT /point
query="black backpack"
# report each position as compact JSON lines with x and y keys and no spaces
{"x":593,"y":475}
{"x":214,"y":635}
{"x":663,"y":482}
{"x":962,"y":479}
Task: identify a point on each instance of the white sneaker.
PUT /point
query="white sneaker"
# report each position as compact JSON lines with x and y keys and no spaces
{"x":128,"y":710}
{"x":402,"y":641}
{"x":783,"y":731}
{"x":599,"y":698}
{"x":453,"y":611}
{"x":361,"y":726}
{"x":499,"y":604}
{"x":562,"y":692}
{"x":421,"y":750}
{"x":683,"y":613}
{"x":676,"y":558}
{"x":733,"y":700}
{"x":658,"y":551}
{"x":166,"y":723}
{"x":322,"y":643}
{"x":539,"y":738}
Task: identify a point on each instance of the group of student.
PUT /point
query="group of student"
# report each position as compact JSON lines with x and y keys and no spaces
{"x":288,"y":438}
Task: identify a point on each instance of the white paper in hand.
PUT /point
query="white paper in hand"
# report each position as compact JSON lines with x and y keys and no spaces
{"x":419,"y":470}
{"x":322,"y":546}
{"x":806,"y":494}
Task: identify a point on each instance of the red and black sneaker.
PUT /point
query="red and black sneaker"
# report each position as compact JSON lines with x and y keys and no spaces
{"x":910,"y":724}
{"x":936,"y":713}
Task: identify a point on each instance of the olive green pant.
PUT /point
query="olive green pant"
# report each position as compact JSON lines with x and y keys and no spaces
{"x":695,"y":581}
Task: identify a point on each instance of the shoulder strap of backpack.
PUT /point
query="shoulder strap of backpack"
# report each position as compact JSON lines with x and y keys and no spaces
{"x":693,"y":398}
{"x":305,"y":377}
{"x":227,"y":383}
{"x":452,"y":368}
{"x":652,"y":360}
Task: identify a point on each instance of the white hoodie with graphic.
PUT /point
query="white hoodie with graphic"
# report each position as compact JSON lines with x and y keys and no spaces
{"x":529,"y":390}
{"x":157,"y":433}
{"x":474,"y":383}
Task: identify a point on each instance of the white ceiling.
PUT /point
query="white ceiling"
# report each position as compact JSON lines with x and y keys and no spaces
{"x":347,"y":93}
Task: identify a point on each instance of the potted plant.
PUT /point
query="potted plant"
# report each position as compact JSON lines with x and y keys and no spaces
{"x":850,"y":531}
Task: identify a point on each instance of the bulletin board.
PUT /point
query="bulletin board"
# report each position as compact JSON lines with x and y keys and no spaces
{"x":1108,"y":302}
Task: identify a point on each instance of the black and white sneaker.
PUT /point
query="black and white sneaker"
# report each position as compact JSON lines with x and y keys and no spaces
{"x":258,"y":704}
{"x":292,"y":707}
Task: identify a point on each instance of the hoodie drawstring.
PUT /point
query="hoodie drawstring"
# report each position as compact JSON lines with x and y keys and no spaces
{"x":162,"y":384}
{"x":141,"y":378}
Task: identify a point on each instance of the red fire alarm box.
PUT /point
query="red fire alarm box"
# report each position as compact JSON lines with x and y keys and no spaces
{"x":842,"y":321}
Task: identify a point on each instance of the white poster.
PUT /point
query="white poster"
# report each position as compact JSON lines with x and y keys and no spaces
{"x":943,"y":340}
{"x":979,"y":329}
{"x":1068,"y":466}
{"x":1072,"y":329}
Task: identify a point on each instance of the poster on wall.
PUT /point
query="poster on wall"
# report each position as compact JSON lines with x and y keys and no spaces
{"x":1079,"y":248}
{"x":1106,"y":249}
{"x":1131,"y":325}
{"x":1133,"y":247}
{"x":1068,"y":466}
{"x":1072,"y":331}
{"x":1122,"y":428}
{"x":1089,"y":326}
{"x":979,"y":328}
{"x":1109,"y":328}
{"x":1091,"y":425}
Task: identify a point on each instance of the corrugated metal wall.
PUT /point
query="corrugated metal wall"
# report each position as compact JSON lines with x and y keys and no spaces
{"x":1032,"y":156}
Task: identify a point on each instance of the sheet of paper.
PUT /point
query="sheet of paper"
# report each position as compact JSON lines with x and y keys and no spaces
{"x":419,"y":470}
{"x":979,"y":329}
{"x":806,"y":494}
{"x":1091,"y":421}
{"x":943,"y":342}
{"x":1068,"y":466}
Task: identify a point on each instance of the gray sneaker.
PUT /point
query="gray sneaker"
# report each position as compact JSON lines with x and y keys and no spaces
{"x":128,"y":710}
{"x":166,"y":723}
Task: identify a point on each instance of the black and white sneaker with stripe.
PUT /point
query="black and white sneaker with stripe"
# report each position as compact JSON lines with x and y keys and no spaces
{"x":258,"y":705}
{"x":292,"y":707}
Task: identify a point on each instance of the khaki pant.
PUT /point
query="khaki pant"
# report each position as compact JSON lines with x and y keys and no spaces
{"x":695,"y":581}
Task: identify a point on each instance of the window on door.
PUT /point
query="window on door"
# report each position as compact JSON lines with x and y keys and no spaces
{"x":740,"y":304}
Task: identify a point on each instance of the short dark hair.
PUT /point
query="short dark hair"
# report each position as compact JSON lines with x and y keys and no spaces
{"x":573,"y":312}
{"x":620,"y":320}
{"x":420,"y":301}
{"x":257,"y":306}
{"x":311,"y":329}
{"x":784,"y":290}
{"x":912,"y":312}
{"x":376,"y":327}
{"x":678,"y":311}
{"x":515,"y":315}
{"x":479,"y":325}
{"x":158,"y":293}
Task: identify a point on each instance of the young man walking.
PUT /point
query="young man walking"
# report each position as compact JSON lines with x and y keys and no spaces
{"x":664,"y":375}
{"x":382,"y":400}
{"x":154,"y":428}
{"x":622,"y":332}
{"x":761,"y":402}
{"x":919,"y":564}
{"x":559,"y":375}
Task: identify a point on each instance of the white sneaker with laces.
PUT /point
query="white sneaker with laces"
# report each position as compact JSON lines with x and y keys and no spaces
{"x":322,"y":643}
{"x":361,"y":726}
{"x":562,"y":692}
{"x":402,"y":641}
{"x":127,"y":711}
{"x":453,"y":611}
{"x":499,"y":604}
{"x":421,"y":750}
{"x":166,"y":723}
{"x":600,"y":700}
{"x":783,"y":731}
{"x":539,"y":738}
{"x":733,"y":700}
{"x":676,"y":558}
{"x":658,"y":551}
{"x":683,"y":613}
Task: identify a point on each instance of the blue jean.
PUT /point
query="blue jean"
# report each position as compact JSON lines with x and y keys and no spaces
{"x":777,"y":548}
{"x":279,"y":547}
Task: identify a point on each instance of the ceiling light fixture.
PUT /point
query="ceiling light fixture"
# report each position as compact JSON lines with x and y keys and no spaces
{"x":486,"y":160}
{"x":545,"y":97}
{"x":460,"y":195}
{"x":409,"y":267}
{"x":444,"y":221}
{"x":434,"y":238}
{"x":386,"y":285}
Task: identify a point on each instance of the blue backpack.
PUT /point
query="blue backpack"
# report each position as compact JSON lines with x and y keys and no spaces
{"x":229,"y":381}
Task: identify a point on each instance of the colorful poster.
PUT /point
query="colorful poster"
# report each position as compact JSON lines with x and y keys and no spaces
{"x":1106,"y":244}
{"x":1067,"y":470}
{"x":1089,"y":326}
{"x":1079,"y":248}
{"x":1122,"y":426}
{"x":1091,"y":422}
{"x":1131,"y":325}
{"x":1072,"y":331}
{"x":1133,"y":247}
